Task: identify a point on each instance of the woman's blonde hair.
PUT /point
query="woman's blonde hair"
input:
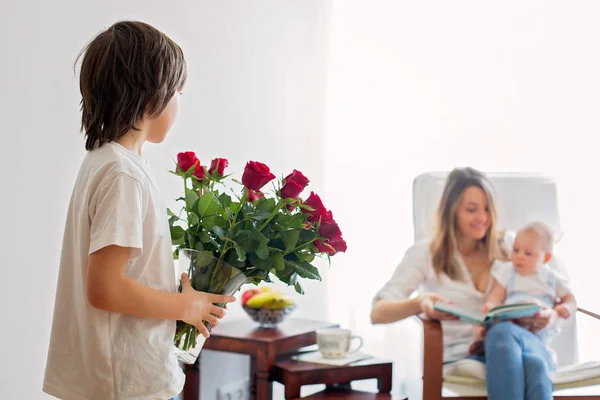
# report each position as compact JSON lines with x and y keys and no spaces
{"x":443,"y":246}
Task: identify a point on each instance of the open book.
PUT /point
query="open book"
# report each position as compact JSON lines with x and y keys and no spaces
{"x":499,"y":313}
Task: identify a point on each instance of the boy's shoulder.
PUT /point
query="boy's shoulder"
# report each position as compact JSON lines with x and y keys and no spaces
{"x":112,"y":159}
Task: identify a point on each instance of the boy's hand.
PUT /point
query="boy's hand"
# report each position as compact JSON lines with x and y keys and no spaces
{"x":201,"y":306}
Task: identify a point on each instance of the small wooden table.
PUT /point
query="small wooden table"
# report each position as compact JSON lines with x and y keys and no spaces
{"x":262,"y":345}
{"x":294,"y":374}
{"x":347,"y":394}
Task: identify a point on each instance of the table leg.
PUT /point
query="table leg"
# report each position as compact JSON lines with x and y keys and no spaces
{"x":384,"y":383}
{"x":261,"y":387}
{"x":191,"y":389}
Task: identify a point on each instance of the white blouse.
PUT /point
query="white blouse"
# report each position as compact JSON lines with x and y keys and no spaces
{"x":415,"y":272}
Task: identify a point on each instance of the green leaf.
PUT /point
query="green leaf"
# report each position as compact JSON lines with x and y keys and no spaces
{"x":291,"y":221}
{"x":262,"y":252}
{"x":193,"y":219}
{"x":203,"y":259}
{"x":307,"y":235}
{"x":177,"y":234}
{"x":204,"y":237}
{"x":264,"y":265}
{"x":290,"y":238}
{"x":190,"y":199}
{"x":298,"y":288}
{"x":277,"y":244}
{"x":207,"y":205}
{"x":255,"y":235}
{"x":214,"y":220}
{"x":277,"y":261}
{"x":171,"y":213}
{"x":266,"y":204}
{"x":304,"y":269}
{"x":241,"y":252}
{"x":225,"y":200}
{"x":218,"y":231}
{"x":305,"y":256}
{"x":232,"y":259}
{"x":259,"y":216}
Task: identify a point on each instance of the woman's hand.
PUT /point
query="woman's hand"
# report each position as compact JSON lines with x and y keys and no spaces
{"x":427,"y":301}
{"x":540,"y":321}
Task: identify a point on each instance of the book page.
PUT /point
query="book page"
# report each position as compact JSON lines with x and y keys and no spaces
{"x":473,"y":317}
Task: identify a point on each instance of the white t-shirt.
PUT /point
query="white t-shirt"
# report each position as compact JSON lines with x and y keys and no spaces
{"x":101,"y":355}
{"x":545,"y":284}
{"x":415,"y":272}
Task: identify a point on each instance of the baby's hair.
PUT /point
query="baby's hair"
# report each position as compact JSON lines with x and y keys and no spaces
{"x":543,"y":232}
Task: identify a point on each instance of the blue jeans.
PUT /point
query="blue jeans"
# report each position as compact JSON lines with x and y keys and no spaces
{"x":518,"y":364}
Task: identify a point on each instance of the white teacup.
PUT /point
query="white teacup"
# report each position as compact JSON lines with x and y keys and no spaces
{"x":335,"y":342}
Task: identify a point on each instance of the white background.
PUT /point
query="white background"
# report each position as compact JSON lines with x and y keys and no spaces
{"x":255,"y":92}
{"x":361,"y":97}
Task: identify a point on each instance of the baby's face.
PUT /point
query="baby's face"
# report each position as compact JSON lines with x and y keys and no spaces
{"x":527,"y":253}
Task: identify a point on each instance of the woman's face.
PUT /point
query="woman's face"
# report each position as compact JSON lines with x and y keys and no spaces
{"x":473,"y":215}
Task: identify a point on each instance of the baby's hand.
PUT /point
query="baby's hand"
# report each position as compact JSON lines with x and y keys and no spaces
{"x":486,"y":307}
{"x":562,"y":311}
{"x":478,"y":332}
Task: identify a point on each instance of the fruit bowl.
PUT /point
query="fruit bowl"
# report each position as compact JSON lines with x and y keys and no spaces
{"x":266,"y":306}
{"x":268,"y":317}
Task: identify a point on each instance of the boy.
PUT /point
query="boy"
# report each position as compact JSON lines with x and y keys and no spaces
{"x":116,"y":301}
{"x":529,"y":279}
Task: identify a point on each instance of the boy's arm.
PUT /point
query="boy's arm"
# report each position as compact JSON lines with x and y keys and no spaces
{"x":495,"y":297}
{"x":108,"y":288}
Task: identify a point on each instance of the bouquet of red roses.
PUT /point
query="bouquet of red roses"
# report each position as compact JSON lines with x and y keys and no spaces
{"x":247,"y":233}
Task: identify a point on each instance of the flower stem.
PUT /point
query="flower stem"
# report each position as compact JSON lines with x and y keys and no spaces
{"x":299,"y":247}
{"x":187,"y":212}
{"x":273,"y":213}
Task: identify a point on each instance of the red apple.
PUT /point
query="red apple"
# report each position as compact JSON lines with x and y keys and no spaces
{"x":248,"y":294}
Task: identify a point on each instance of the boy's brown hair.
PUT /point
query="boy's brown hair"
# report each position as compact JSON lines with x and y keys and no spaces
{"x":129,"y":71}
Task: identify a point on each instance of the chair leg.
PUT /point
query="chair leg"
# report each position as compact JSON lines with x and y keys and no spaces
{"x":433,"y":360}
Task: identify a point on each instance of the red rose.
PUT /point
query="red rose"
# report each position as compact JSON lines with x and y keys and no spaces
{"x":332,"y":246}
{"x":314,"y":202}
{"x":187,"y":159}
{"x":219,"y":165}
{"x":200,"y":173}
{"x":291,"y":190}
{"x":254,"y":195}
{"x":338,"y":243}
{"x":297,"y":177}
{"x":323,"y":247}
{"x":329,"y":228}
{"x":256,"y":175}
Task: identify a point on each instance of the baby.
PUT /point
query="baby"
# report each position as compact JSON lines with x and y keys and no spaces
{"x":528,"y":279}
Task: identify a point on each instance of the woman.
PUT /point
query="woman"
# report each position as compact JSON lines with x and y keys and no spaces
{"x":455,"y":267}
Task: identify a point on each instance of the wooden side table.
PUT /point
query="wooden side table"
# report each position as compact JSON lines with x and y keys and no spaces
{"x":262,"y":345}
{"x":294,"y":374}
{"x":347,"y":394}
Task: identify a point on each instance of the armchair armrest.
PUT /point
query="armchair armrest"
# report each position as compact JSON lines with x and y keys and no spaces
{"x":586,"y":312}
{"x":433,"y":358}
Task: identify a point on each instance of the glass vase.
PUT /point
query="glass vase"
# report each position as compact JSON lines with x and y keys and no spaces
{"x":207,"y":274}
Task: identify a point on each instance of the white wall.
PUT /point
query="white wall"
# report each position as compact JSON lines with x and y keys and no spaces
{"x":418,"y":86}
{"x":255,"y":91}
